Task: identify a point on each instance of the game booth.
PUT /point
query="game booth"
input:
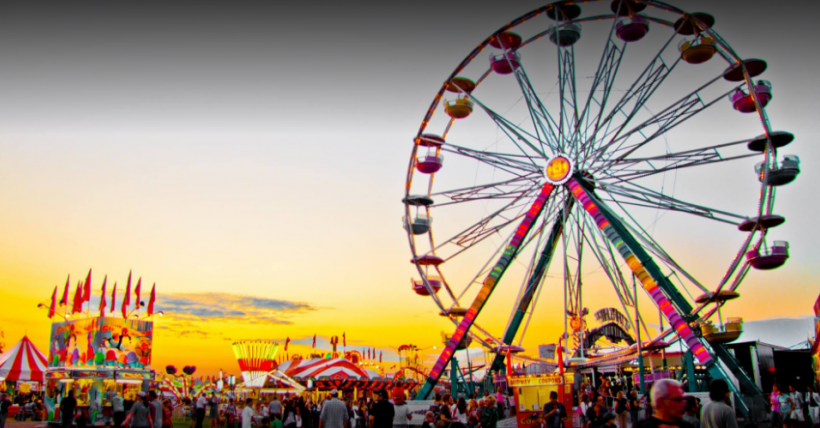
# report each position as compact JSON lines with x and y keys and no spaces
{"x":533,"y":391}
{"x":94,"y":357}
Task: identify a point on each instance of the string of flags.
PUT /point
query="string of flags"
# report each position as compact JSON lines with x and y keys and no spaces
{"x":82,"y":295}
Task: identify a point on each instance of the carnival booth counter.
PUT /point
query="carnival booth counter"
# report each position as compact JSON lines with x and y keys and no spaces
{"x":532,"y":392}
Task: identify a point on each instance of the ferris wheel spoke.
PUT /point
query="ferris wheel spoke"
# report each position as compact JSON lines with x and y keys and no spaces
{"x":634,"y":168}
{"x":672,"y":116}
{"x":638,"y":93}
{"x":567,"y":92}
{"x":508,"y":189}
{"x":487,"y":226}
{"x":511,"y":163}
{"x":606,"y":259}
{"x":514,"y":132}
{"x":605,"y":78}
{"x":543,"y":122}
{"x":631,"y":193}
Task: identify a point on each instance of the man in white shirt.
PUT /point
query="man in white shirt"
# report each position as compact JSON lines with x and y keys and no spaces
{"x":247,"y":414}
{"x":275,"y":408}
{"x":813,"y":400}
{"x":201,"y":403}
{"x":797,"y":397}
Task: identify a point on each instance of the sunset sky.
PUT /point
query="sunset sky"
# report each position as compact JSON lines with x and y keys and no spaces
{"x":250,"y":158}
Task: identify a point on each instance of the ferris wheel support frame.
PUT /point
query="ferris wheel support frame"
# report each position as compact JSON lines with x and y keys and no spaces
{"x":533,"y":283}
{"x":645,"y":269}
{"x":490,"y":282}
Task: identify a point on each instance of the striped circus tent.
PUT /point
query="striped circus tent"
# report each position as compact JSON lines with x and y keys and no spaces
{"x":319,"y":367}
{"x":23,"y":362}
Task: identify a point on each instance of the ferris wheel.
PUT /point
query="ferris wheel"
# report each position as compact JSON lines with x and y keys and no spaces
{"x":587,"y":142}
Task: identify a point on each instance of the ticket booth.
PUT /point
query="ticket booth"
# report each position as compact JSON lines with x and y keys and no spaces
{"x":533,"y":391}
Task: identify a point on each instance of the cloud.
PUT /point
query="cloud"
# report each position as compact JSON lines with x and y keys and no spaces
{"x":230,"y":307}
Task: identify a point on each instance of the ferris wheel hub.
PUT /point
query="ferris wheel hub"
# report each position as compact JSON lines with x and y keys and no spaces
{"x":559,"y":170}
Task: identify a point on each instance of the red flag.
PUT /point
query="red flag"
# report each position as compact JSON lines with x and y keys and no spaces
{"x":286,"y":343}
{"x":126,"y":299}
{"x":113,"y":299}
{"x":102,"y":297}
{"x":78,"y":299}
{"x":152,"y":299}
{"x":344,"y":339}
{"x":65,"y":293}
{"x":87,"y":288}
{"x":314,"y":340}
{"x":137,"y":292}
{"x":53,"y":303}
{"x":380,"y":356}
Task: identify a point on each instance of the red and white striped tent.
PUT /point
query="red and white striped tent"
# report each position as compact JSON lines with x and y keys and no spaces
{"x":23,"y":362}
{"x":319,"y":367}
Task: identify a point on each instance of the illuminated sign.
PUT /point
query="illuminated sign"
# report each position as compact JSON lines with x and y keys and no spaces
{"x":106,"y":342}
{"x":559,"y":170}
{"x":542,"y":380}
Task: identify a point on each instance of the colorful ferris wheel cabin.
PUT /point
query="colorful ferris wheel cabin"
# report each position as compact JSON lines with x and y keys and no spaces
{"x":755,"y":67}
{"x":420,"y":225}
{"x":632,"y":29}
{"x":783,"y":173}
{"x":420,"y":289}
{"x":769,"y":258}
{"x":505,"y":63}
{"x":695,"y":23}
{"x":764,"y":222}
{"x":698,"y":50}
{"x":458,"y":108}
{"x":431,"y":161}
{"x":565,"y":35}
{"x":744,"y":102}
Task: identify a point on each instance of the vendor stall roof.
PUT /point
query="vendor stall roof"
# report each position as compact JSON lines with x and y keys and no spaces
{"x":23,"y":362}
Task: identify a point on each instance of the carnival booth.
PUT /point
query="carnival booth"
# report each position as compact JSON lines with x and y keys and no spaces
{"x":96,"y":356}
{"x":533,"y":391}
{"x":23,"y":366}
{"x":342,"y":374}
{"x":260,"y":372}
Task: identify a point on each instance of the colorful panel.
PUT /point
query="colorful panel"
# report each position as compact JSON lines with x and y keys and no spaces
{"x":101,"y":342}
{"x":492,"y":279}
{"x":648,"y":283}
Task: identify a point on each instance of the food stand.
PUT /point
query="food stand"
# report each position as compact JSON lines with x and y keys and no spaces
{"x":94,"y":357}
{"x":533,"y":391}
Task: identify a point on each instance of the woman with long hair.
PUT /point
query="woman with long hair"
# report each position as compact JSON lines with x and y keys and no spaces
{"x":459,"y":413}
{"x":620,"y":409}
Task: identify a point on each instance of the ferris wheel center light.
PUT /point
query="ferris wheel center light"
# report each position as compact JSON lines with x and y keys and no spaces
{"x":558,"y":170}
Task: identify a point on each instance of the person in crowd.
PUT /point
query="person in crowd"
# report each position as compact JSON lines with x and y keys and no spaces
{"x":68,"y":406}
{"x":155,"y":408}
{"x":334,"y":413}
{"x":595,"y":414}
{"x":247,"y":414}
{"x":691,"y":411}
{"x":140,"y":414}
{"x":609,"y":420}
{"x":460,"y":414}
{"x":774,"y":400}
{"x":276,"y":407}
{"x":290,"y":414}
{"x":797,"y":411}
{"x":554,"y":412}
{"x":482,"y":406}
{"x":786,"y":409}
{"x":118,"y":408}
{"x":382,"y":412}
{"x":82,"y":418}
{"x":401,"y":411}
{"x":167,"y":414}
{"x":499,"y":402}
{"x":201,"y":404}
{"x":229,"y":413}
{"x":5,"y":403}
{"x":445,"y":410}
{"x":489,"y":416}
{"x":429,"y":420}
{"x":717,"y":413}
{"x":634,"y":406}
{"x":213,"y":410}
{"x":812,"y":401}
{"x":668,"y":405}
{"x":582,"y":408}
{"x":620,"y":409}
{"x":472,"y":418}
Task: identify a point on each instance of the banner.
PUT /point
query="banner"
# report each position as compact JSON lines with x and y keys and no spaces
{"x":101,"y":342}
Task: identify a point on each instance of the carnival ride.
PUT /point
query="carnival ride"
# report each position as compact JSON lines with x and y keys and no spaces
{"x":555,"y":158}
{"x":260,"y":372}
